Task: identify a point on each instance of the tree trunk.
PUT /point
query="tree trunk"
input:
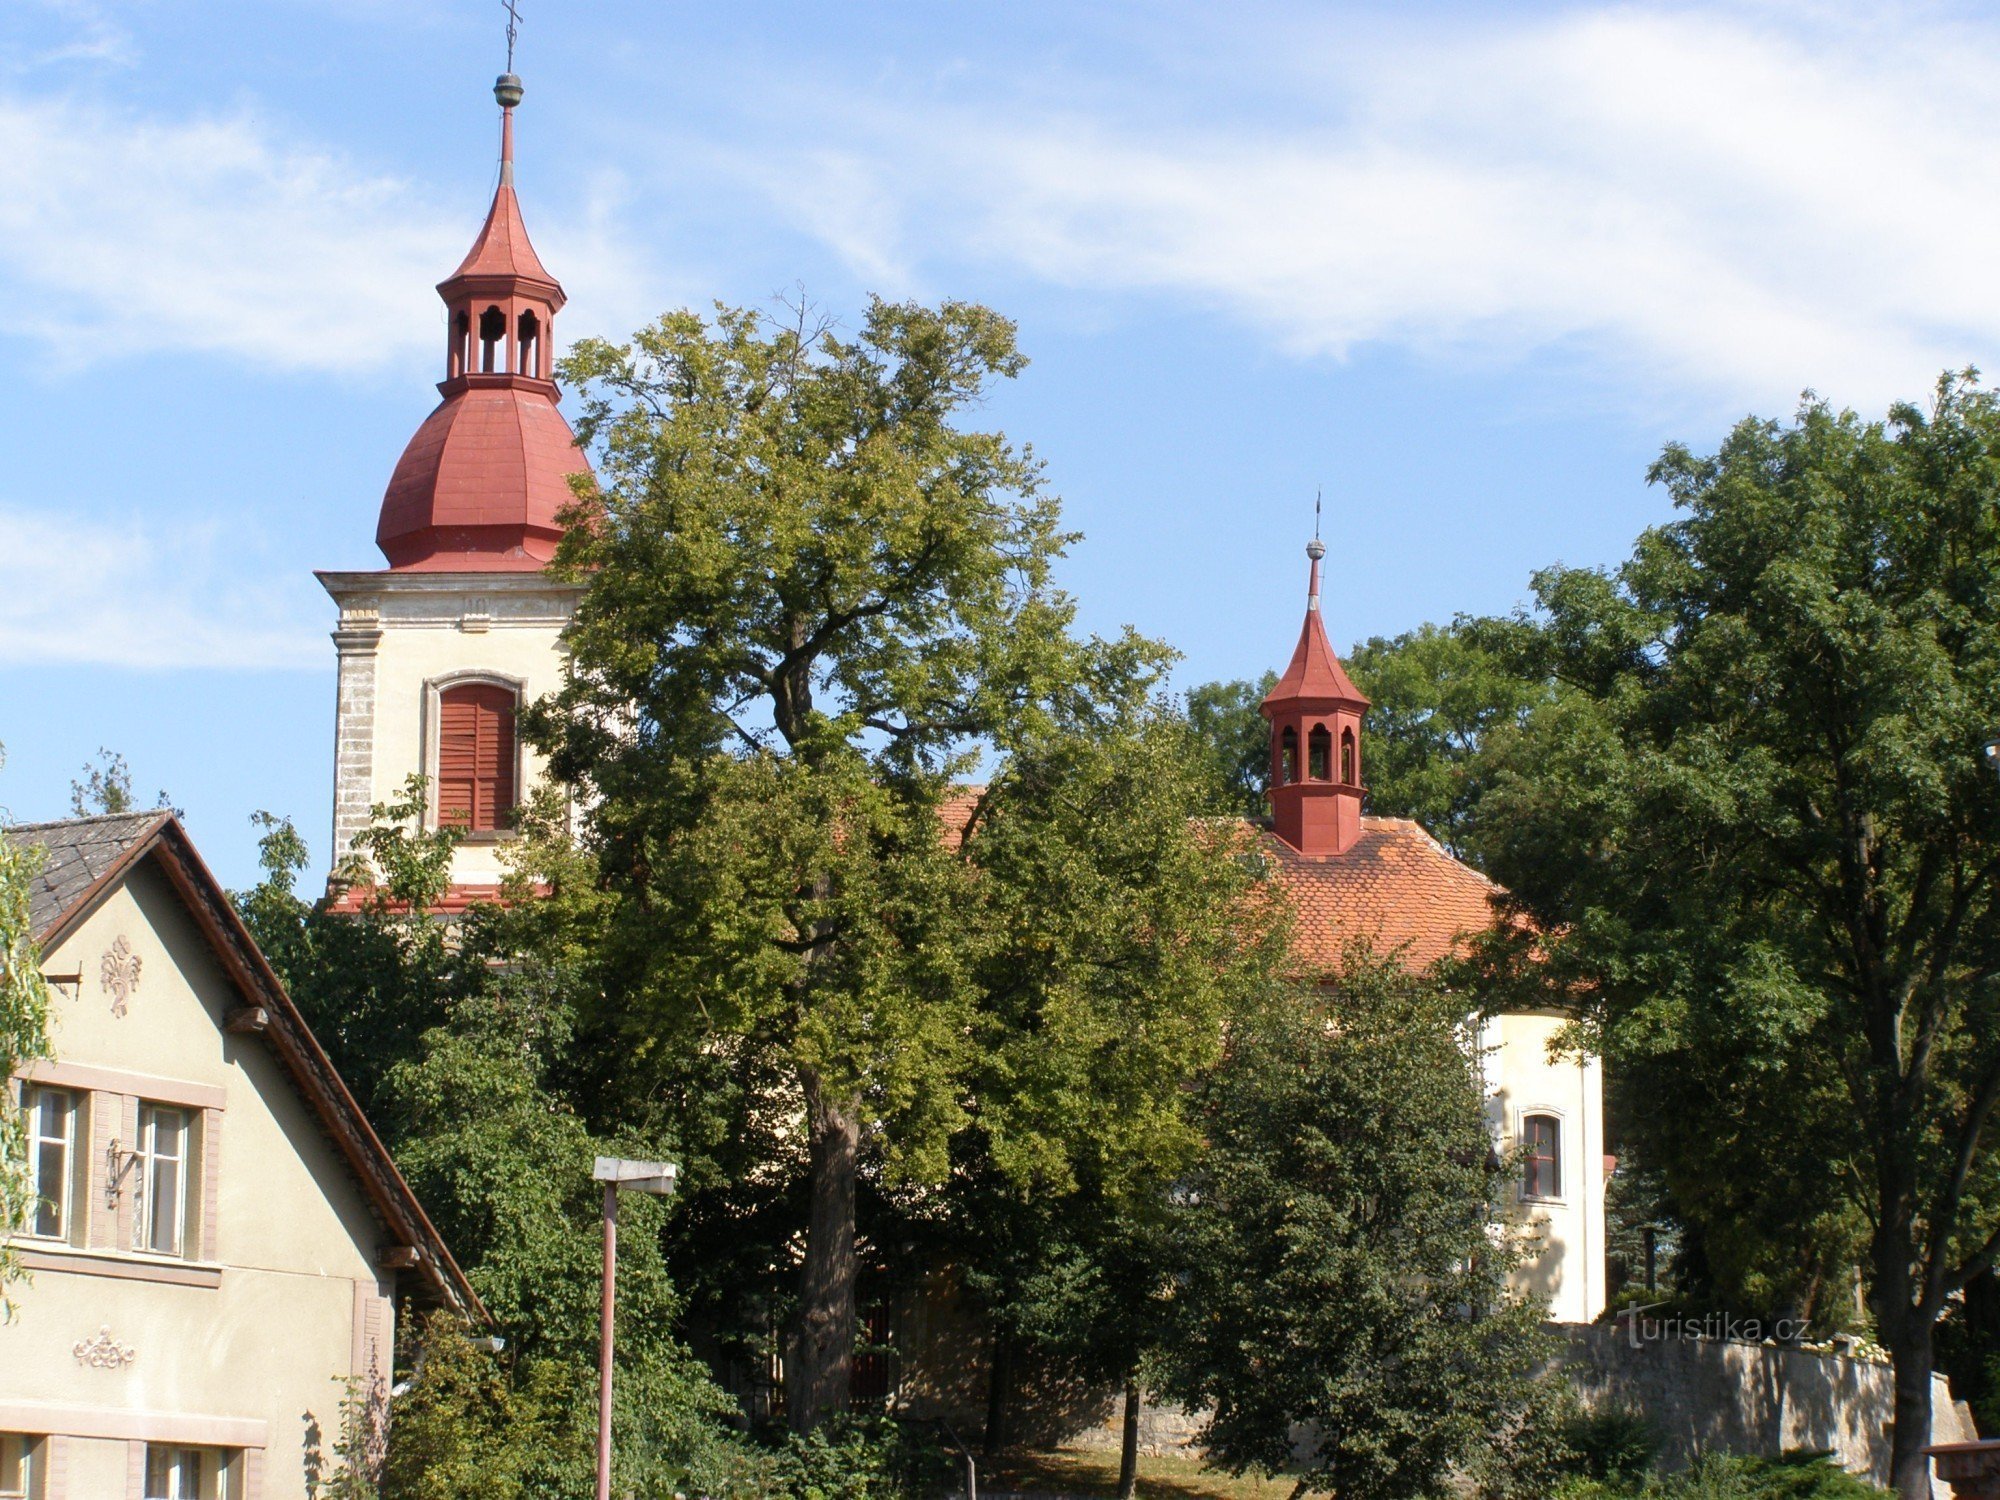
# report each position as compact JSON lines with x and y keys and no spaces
{"x":1128,"y":1447}
{"x":823,"y":1341}
{"x":1914,"y":1356}
{"x":999,"y":1373}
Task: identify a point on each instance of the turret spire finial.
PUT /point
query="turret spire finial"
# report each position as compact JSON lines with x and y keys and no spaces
{"x":507,"y":90}
{"x":1315,"y":549}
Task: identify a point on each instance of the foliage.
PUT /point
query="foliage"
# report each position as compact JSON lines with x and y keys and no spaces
{"x":858,"y":1458}
{"x":464,"y":1428}
{"x":107,"y":788}
{"x":812,"y":601}
{"x":24,"y":1036}
{"x":1761,"y":848}
{"x":369,"y":986}
{"x":1612,"y":1443}
{"x":1794,"y":1476}
{"x":1341,"y":1267}
{"x":458,"y":1034}
{"x":1237,"y":741}
{"x":1439,"y":694}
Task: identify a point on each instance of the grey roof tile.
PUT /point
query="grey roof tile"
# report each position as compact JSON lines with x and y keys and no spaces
{"x":76,"y":853}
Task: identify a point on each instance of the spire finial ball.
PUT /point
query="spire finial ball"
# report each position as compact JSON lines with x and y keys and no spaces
{"x":1315,"y":549}
{"x":507,"y":89}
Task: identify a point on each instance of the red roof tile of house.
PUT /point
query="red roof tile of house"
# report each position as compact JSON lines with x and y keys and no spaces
{"x":1396,"y":888}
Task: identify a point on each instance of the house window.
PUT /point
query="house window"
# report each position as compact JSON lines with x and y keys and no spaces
{"x":1541,"y":1157}
{"x":178,"y":1473}
{"x":20,"y":1467}
{"x":51,"y":1156}
{"x":161,"y":1168}
{"x":1288,"y":756}
{"x":1319,"y":754}
{"x":475,"y":772}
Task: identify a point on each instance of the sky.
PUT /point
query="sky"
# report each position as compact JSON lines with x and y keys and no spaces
{"x":1465,"y":267}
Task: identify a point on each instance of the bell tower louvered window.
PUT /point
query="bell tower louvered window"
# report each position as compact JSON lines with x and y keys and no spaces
{"x":475,"y":774}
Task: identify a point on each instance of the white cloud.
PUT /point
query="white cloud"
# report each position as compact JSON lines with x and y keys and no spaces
{"x":127,"y":593}
{"x":1693,"y":202}
{"x":128,"y":234}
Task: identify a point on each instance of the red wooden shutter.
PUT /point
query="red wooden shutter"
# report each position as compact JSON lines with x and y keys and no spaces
{"x":475,"y":778}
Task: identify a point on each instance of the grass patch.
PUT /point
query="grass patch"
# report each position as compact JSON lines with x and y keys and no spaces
{"x":1094,"y":1472}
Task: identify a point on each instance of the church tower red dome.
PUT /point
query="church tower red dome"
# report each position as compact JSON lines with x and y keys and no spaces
{"x":1315,"y":713}
{"x":480,"y":486}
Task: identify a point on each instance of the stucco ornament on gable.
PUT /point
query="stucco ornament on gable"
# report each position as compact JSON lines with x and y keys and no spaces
{"x":120,"y":974}
{"x":104,"y":1352}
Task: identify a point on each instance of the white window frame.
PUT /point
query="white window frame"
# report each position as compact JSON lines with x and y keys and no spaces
{"x":434,"y":690}
{"x":64,"y":1198}
{"x":24,"y":1448}
{"x":148,"y":1159}
{"x":165,"y":1472}
{"x":1561,"y":1119}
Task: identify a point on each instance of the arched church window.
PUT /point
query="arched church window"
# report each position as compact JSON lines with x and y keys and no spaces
{"x":1319,"y":754}
{"x":1288,"y":756}
{"x":1347,"y":757}
{"x":475,"y":770}
{"x":1541,"y":1156}
{"x":461,"y":341}
{"x":492,"y":335}
{"x":528,"y":348}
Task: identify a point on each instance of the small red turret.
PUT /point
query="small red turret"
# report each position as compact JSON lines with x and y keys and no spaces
{"x":1315,"y":713}
{"x":482,"y":482}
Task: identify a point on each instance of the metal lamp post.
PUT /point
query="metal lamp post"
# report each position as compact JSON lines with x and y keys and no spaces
{"x":639,"y":1177}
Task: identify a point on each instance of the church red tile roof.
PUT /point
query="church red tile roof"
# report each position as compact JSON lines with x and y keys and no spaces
{"x":1396,"y":887}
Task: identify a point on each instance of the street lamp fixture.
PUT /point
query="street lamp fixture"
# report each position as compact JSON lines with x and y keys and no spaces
{"x":1989,"y":754}
{"x":618,"y":1175}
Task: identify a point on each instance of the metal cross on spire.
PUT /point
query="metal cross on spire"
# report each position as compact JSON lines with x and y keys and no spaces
{"x":513,"y":29}
{"x":1319,"y":493}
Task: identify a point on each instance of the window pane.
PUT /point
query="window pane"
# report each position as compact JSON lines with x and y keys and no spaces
{"x":49,"y":1115}
{"x":51,"y":1170}
{"x":159,"y":1473}
{"x":161,"y":1206}
{"x":163,"y":1230}
{"x":14,"y":1475}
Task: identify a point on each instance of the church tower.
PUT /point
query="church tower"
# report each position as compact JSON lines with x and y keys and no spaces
{"x":439,"y":651}
{"x":1315,"y":713}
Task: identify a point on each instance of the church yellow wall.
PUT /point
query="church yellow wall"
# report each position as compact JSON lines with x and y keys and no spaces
{"x":401,"y":633}
{"x":245,"y":1342}
{"x":1522,"y":1079}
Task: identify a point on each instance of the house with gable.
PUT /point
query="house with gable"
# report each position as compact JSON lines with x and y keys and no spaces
{"x":221,"y":1243}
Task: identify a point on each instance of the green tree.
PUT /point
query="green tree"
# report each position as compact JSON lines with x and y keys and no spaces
{"x":107,"y":788}
{"x":1762,"y":846}
{"x":1438,"y":695}
{"x":812,"y":601}
{"x":460,"y":1033}
{"x":1236,"y":739}
{"x":24,"y":1036}
{"x":1342,"y":1270}
{"x":370,"y":985}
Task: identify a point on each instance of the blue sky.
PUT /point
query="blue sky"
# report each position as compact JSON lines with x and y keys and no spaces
{"x":1468,"y":267}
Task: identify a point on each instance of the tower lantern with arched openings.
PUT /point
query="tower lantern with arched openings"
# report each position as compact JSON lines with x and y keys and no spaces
{"x":1315,"y":709}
